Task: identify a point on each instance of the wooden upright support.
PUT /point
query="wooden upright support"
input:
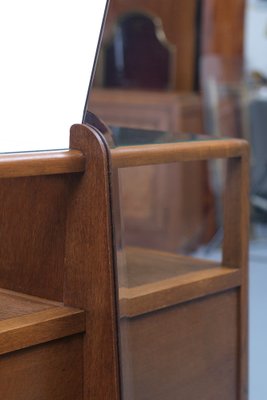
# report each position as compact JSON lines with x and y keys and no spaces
{"x":64,"y":317}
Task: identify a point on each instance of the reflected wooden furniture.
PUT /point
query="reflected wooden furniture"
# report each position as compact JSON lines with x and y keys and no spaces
{"x":169,"y":112}
{"x":59,"y":328}
{"x":138,"y":55}
{"x":218,"y":33}
{"x":224,"y":95}
{"x":180,"y":31}
{"x":183,"y":321}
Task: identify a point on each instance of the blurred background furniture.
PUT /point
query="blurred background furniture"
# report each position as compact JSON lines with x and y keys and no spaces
{"x":174,"y":307}
{"x":138,"y":54}
{"x":173,"y":113}
{"x":187,"y":33}
{"x":221,"y":81}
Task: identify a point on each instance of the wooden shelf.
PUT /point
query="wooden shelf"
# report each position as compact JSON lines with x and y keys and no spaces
{"x":27,"y":321}
{"x":154,"y":280}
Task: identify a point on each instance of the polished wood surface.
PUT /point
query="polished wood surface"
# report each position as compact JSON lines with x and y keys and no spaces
{"x":32,"y":227}
{"x":236,"y":238}
{"x":52,"y":370}
{"x":40,"y":163}
{"x":14,"y":304}
{"x":143,"y":301}
{"x":185,"y":330}
{"x":189,"y":351}
{"x":34,"y":328}
{"x":155,"y":280}
{"x":46,"y":219}
{"x":182,"y":151}
{"x":89,"y":276}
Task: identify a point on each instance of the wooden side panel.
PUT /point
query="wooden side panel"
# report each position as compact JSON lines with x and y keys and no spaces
{"x":89,"y":280}
{"x":45,"y":372}
{"x":187,"y":352}
{"x":32,"y":234}
{"x":235,"y":246}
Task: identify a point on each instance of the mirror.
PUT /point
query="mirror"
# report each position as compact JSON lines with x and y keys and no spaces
{"x":48,"y":52}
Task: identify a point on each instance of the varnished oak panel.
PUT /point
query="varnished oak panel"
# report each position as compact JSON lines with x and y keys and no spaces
{"x":235,"y":246}
{"x":26,"y":321}
{"x":40,"y":327}
{"x":56,"y":235}
{"x":186,"y":352}
{"x":13,"y":304}
{"x":44,"y":372}
{"x":154,"y":280}
{"x":183,"y":151}
{"x":40,"y":163}
{"x":32,"y":234}
{"x":89,"y":277}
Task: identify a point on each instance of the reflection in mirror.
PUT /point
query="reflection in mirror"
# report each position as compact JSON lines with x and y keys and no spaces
{"x":148,"y":45}
{"x":163,"y":236}
{"x":47,"y":57}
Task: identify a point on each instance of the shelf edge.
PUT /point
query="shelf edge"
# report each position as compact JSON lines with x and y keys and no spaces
{"x":150,"y":297}
{"x":40,"y":327}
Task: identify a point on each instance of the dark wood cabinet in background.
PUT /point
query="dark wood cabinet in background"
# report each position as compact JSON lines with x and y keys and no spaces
{"x":196,"y":28}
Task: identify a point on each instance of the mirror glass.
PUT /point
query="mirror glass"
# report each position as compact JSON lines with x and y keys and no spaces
{"x":48,"y":51}
{"x":217,"y":86}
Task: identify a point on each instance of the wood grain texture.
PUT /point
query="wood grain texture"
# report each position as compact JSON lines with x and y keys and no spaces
{"x":183,"y":151}
{"x":32,"y":233}
{"x":40,"y":327}
{"x":40,"y":163}
{"x":235,"y":247}
{"x":57,"y":241}
{"x":185,"y":352}
{"x":14,"y":304}
{"x":49,"y":371}
{"x":89,"y":276}
{"x":155,"y":280}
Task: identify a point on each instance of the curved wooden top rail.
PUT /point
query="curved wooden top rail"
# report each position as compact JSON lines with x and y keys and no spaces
{"x":130,"y":156}
{"x":41,"y":163}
